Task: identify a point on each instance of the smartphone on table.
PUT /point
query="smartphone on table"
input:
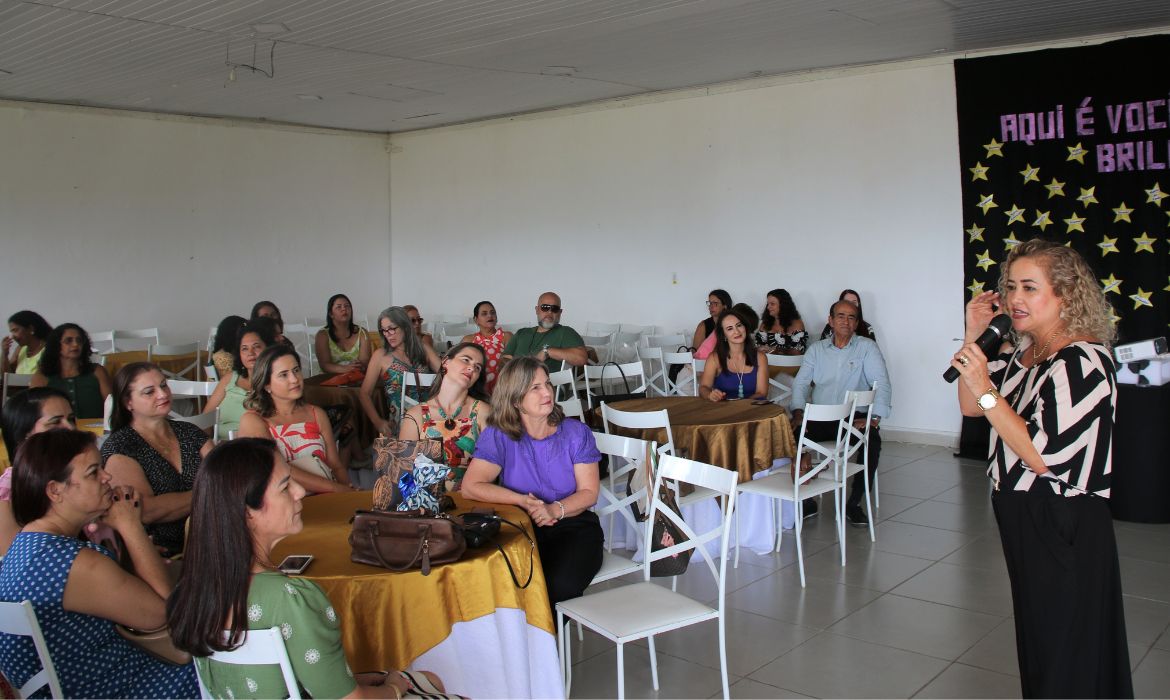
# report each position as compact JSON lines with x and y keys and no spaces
{"x":295,"y":563}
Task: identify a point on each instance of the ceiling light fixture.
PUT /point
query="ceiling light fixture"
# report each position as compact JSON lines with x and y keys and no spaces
{"x":269,"y":28}
{"x":561,"y":71}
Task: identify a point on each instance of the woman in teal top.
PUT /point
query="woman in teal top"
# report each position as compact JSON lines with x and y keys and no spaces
{"x":66,"y":366}
{"x":232,"y":389}
{"x":245,"y":501}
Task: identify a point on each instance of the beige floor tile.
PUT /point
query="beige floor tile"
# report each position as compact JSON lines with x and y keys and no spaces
{"x":961,"y":681}
{"x":981,"y":590}
{"x":916,"y":625}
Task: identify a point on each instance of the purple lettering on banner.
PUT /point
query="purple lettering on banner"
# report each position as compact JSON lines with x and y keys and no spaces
{"x":1152,"y":121}
{"x":1007,"y":128}
{"x":1113,"y":112}
{"x":1046,"y":131}
{"x":1135,"y":117}
{"x":1152,"y":162}
{"x":1028,"y":128}
{"x":1105,"y":163}
{"x":1085,"y":118}
{"x":1125,"y":156}
{"x":1060,"y":121}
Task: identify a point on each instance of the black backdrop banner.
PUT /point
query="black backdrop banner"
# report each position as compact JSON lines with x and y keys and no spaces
{"x":1072,"y":145}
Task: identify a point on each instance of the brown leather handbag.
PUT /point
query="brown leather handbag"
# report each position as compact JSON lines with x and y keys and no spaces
{"x":401,"y":541}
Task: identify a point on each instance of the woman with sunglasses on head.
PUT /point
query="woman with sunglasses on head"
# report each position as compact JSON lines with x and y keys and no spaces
{"x":277,"y":411}
{"x":231,"y":392}
{"x":416,"y":321}
{"x":718,"y":301}
{"x":28,"y":331}
{"x":28,"y":413}
{"x":491,"y":338}
{"x":341,"y":345}
{"x":66,"y":365}
{"x":401,"y":352}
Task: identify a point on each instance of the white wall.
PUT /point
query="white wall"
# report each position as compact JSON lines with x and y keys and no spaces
{"x":122,"y":220}
{"x":814,"y":186}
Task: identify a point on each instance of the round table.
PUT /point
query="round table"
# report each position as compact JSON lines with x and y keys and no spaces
{"x":395,"y":619}
{"x":730,"y":434}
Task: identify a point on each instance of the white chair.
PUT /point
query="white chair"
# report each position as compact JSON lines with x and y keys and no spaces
{"x":601,"y":345}
{"x":597,"y":375}
{"x":624,"y":347}
{"x":155,"y":352}
{"x":20,"y":619}
{"x":860,"y":444}
{"x":260,"y":648}
{"x":642,"y":610}
{"x":184,"y":389}
{"x":458,"y":329}
{"x":679,"y":358}
{"x":107,"y":412}
{"x":565,"y":393}
{"x":668,"y":342}
{"x":655,"y":377}
{"x":211,"y":340}
{"x":302,"y":340}
{"x":783,"y":391}
{"x":203,"y":421}
{"x":315,"y":322}
{"x":595,"y":328}
{"x":699,"y":365}
{"x":626,"y":455}
{"x":211,"y":373}
{"x":823,"y":476}
{"x":636,"y":329}
{"x":411,"y":379}
{"x":150,"y":335}
{"x":13,"y":380}
{"x":97,"y":339}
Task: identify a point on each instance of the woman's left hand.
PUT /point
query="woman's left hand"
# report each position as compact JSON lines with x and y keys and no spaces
{"x":972,"y":366}
{"x":125,"y":508}
{"x":541,"y":513}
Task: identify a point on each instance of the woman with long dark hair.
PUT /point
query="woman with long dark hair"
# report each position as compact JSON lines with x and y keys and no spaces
{"x":457,"y":410}
{"x":227,"y":333}
{"x":78,"y":590}
{"x":737,"y":369}
{"x":231,"y":392}
{"x":401,"y":352}
{"x":491,"y":338}
{"x":28,"y":331}
{"x":781,"y":328}
{"x":1050,"y":397}
{"x":245,"y":502}
{"x":718,"y":301}
{"x":66,"y":366}
{"x":28,"y":413}
{"x":341,"y":345}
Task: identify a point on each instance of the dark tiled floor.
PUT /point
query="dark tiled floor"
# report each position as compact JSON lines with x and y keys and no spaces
{"x":923,"y":612}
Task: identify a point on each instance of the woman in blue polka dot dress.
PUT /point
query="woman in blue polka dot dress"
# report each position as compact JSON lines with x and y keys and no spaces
{"x":77,"y":588}
{"x":244,"y":502}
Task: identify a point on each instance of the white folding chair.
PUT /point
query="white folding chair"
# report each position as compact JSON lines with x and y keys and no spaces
{"x":184,"y":389}
{"x":13,"y":380}
{"x":635,"y":329}
{"x":565,"y":393}
{"x":211,"y":340}
{"x":678,"y":358}
{"x":783,"y":391}
{"x":626,"y":455}
{"x":668,"y":342}
{"x":595,"y":328}
{"x":411,"y":379}
{"x":458,"y":329}
{"x":97,"y":339}
{"x":600,"y":344}
{"x":156,"y":353}
{"x":260,"y":648}
{"x":823,"y":476}
{"x":624,"y":347}
{"x":860,"y":444}
{"x":211,"y":373}
{"x":107,"y":412}
{"x":655,"y":377}
{"x":20,"y":619}
{"x":597,"y":375}
{"x":315,"y":322}
{"x":203,"y":421}
{"x":642,"y":610}
{"x":150,"y":335}
{"x":699,"y":365}
{"x":302,"y":340}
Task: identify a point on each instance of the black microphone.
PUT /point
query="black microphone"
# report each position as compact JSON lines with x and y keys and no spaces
{"x":986,"y":342}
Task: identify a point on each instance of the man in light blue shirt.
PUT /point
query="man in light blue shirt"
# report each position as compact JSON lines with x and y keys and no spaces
{"x":844,"y":362}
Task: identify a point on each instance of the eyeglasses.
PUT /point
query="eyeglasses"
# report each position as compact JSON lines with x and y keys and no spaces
{"x":714,"y":303}
{"x":550,"y":307}
{"x":389,"y":330}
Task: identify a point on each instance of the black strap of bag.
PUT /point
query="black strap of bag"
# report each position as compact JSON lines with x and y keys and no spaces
{"x":480,"y":528}
{"x":604,"y":397}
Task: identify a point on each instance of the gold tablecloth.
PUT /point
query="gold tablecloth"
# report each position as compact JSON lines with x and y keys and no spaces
{"x":349,"y":396}
{"x":115,"y":361}
{"x":389,"y":619}
{"x":730,"y":434}
{"x":93,"y":425}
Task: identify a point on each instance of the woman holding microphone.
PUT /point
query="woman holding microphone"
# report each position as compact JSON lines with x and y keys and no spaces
{"x":1050,"y":397}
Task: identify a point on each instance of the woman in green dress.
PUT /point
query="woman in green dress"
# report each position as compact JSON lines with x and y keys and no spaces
{"x":66,"y":366}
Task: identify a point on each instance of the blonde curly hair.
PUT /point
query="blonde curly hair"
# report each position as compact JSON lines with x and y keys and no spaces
{"x":1083,"y":305}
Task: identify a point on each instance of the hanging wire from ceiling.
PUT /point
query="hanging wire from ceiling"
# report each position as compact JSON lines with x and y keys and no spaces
{"x":233,"y":65}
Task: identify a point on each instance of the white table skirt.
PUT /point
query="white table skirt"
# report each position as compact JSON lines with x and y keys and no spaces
{"x":496,"y":656}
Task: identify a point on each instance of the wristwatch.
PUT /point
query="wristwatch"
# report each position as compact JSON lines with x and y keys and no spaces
{"x":545,"y":351}
{"x":989,"y":399}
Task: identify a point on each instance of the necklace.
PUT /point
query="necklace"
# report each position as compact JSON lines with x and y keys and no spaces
{"x":1037,"y":354}
{"x":740,"y":375}
{"x":448,"y":421}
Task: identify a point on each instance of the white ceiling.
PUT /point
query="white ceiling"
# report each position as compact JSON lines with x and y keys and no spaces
{"x":396,"y":65}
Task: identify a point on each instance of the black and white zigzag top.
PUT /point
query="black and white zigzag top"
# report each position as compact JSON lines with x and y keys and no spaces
{"x":1069,"y":402}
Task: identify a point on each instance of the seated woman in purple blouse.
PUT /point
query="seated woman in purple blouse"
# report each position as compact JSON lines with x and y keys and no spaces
{"x":546,"y":465}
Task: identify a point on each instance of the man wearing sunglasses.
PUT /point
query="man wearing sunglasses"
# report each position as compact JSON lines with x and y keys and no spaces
{"x":548,"y":341}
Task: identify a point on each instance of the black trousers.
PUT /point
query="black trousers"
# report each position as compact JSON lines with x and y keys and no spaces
{"x":827,"y":430}
{"x":1066,"y":594}
{"x":570,"y":554}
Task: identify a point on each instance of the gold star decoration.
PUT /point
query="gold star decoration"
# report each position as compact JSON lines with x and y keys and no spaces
{"x":1014,"y":214}
{"x":1115,"y":319}
{"x":1111,"y":285}
{"x":1107,"y":246}
{"x":979,"y":172}
{"x":1122,"y":213}
{"x":1142,"y":298}
{"x":1167,"y":287}
{"x":975,"y":233}
{"x":1087,"y":197}
{"x":995,"y":148}
{"x":1077,"y":153}
{"x":1043,"y":219}
{"x":986,"y":203}
{"x":1011,"y":241}
{"x":1030,"y":174}
{"x":1055,"y":188}
{"x":1155,"y":195}
{"x":976,"y":287}
{"x":1144,"y":242}
{"x":1075,"y":223}
{"x":984,"y":260}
